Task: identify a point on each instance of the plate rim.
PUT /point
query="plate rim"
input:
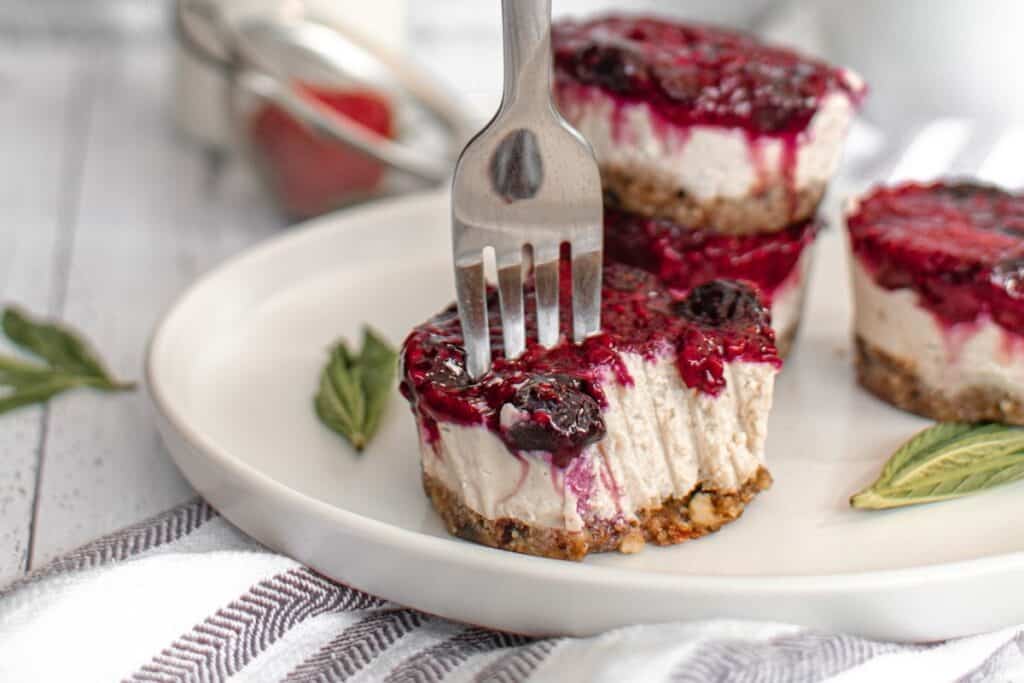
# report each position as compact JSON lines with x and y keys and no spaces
{"x":250,"y":478}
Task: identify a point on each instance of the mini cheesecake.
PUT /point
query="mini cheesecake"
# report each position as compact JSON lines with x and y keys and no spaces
{"x":776,"y":264}
{"x":651,"y":431}
{"x":938,"y":283}
{"x":702,"y":125}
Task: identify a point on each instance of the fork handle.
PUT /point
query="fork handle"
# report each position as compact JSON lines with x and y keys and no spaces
{"x":527,"y":40}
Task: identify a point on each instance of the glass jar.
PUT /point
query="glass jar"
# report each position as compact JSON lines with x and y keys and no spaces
{"x":326,"y":117}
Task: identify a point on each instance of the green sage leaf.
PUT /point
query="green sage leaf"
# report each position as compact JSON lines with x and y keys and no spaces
{"x":57,"y":345}
{"x":379,"y":361}
{"x":67,"y":362}
{"x":355,"y":388}
{"x":949,"y":460}
{"x":29,"y":394}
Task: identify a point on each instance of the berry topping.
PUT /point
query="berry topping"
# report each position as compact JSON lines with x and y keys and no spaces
{"x":613,"y":68}
{"x":552,"y":413}
{"x":629,"y":280}
{"x":551,"y":399}
{"x":448,"y":367}
{"x":966,"y":190}
{"x":697,"y":74}
{"x":684,"y":258}
{"x":715,"y":306}
{"x":722,"y":303}
{"x":1009,"y":276}
{"x":959,"y":246}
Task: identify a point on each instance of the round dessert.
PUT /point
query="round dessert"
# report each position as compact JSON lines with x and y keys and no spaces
{"x":938,"y":280}
{"x":775,"y":264}
{"x":703,"y":125}
{"x":652,"y":430}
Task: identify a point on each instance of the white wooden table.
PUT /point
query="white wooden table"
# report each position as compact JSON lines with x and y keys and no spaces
{"x":105,"y":215}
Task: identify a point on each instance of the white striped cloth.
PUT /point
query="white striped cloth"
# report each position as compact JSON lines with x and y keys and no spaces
{"x":187,"y":597}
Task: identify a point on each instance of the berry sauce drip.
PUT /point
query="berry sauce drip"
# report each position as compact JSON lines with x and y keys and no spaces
{"x":959,"y":246}
{"x":684,"y":258}
{"x":697,"y":75}
{"x":551,"y":399}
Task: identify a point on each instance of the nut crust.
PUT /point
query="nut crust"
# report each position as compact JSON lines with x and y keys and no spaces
{"x":895,"y":381}
{"x":771,"y":209}
{"x":677,"y":520}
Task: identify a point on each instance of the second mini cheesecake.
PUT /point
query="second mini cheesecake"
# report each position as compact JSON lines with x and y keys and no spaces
{"x":938,"y":282}
{"x":706,"y":126}
{"x":776,"y":265}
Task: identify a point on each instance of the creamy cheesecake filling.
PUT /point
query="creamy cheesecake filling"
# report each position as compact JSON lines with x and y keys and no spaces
{"x":663,"y":439}
{"x":937,"y":270}
{"x":787,"y":301}
{"x":949,"y":358}
{"x":707,"y":162}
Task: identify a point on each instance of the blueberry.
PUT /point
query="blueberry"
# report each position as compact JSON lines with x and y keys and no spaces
{"x":720,"y":303}
{"x":448,"y":366}
{"x":969,"y":190}
{"x":615,"y":68}
{"x":555,"y":415}
{"x":680,"y":84}
{"x":770,"y":118}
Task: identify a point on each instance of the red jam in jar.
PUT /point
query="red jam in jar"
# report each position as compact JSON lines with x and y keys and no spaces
{"x":310,"y":173}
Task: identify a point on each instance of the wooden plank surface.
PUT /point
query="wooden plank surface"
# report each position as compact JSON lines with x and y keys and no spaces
{"x":153,"y":213}
{"x":41,"y":137}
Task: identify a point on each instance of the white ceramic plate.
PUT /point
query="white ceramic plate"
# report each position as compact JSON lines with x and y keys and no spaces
{"x":234,"y":365}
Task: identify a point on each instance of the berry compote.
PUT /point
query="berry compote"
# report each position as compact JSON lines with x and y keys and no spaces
{"x":684,"y":258}
{"x":551,"y":399}
{"x":697,"y":75}
{"x":958,"y":245}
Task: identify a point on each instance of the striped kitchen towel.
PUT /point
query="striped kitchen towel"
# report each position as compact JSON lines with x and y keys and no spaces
{"x":187,"y":597}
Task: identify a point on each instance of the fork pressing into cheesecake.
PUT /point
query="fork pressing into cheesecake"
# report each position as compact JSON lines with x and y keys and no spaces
{"x":524,"y":186}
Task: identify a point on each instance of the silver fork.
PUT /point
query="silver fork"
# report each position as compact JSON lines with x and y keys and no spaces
{"x":527,"y":181}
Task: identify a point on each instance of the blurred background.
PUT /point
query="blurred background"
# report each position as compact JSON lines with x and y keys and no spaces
{"x":948,"y":62}
{"x":937,"y":68}
{"x":132,"y":161}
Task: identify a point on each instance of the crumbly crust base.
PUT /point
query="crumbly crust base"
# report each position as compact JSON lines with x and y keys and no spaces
{"x":895,"y":381}
{"x":677,"y":520}
{"x":771,"y":209}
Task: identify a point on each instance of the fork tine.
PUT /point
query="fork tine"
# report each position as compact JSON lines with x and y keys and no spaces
{"x":586,"y":294}
{"x":471,"y":292}
{"x":510,"y":295}
{"x":545,"y":270}
{"x":528,"y":178}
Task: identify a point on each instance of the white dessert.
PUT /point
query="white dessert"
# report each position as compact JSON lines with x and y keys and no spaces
{"x":708,"y":163}
{"x":787,"y":303}
{"x":945,"y":359}
{"x":663,"y":440}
